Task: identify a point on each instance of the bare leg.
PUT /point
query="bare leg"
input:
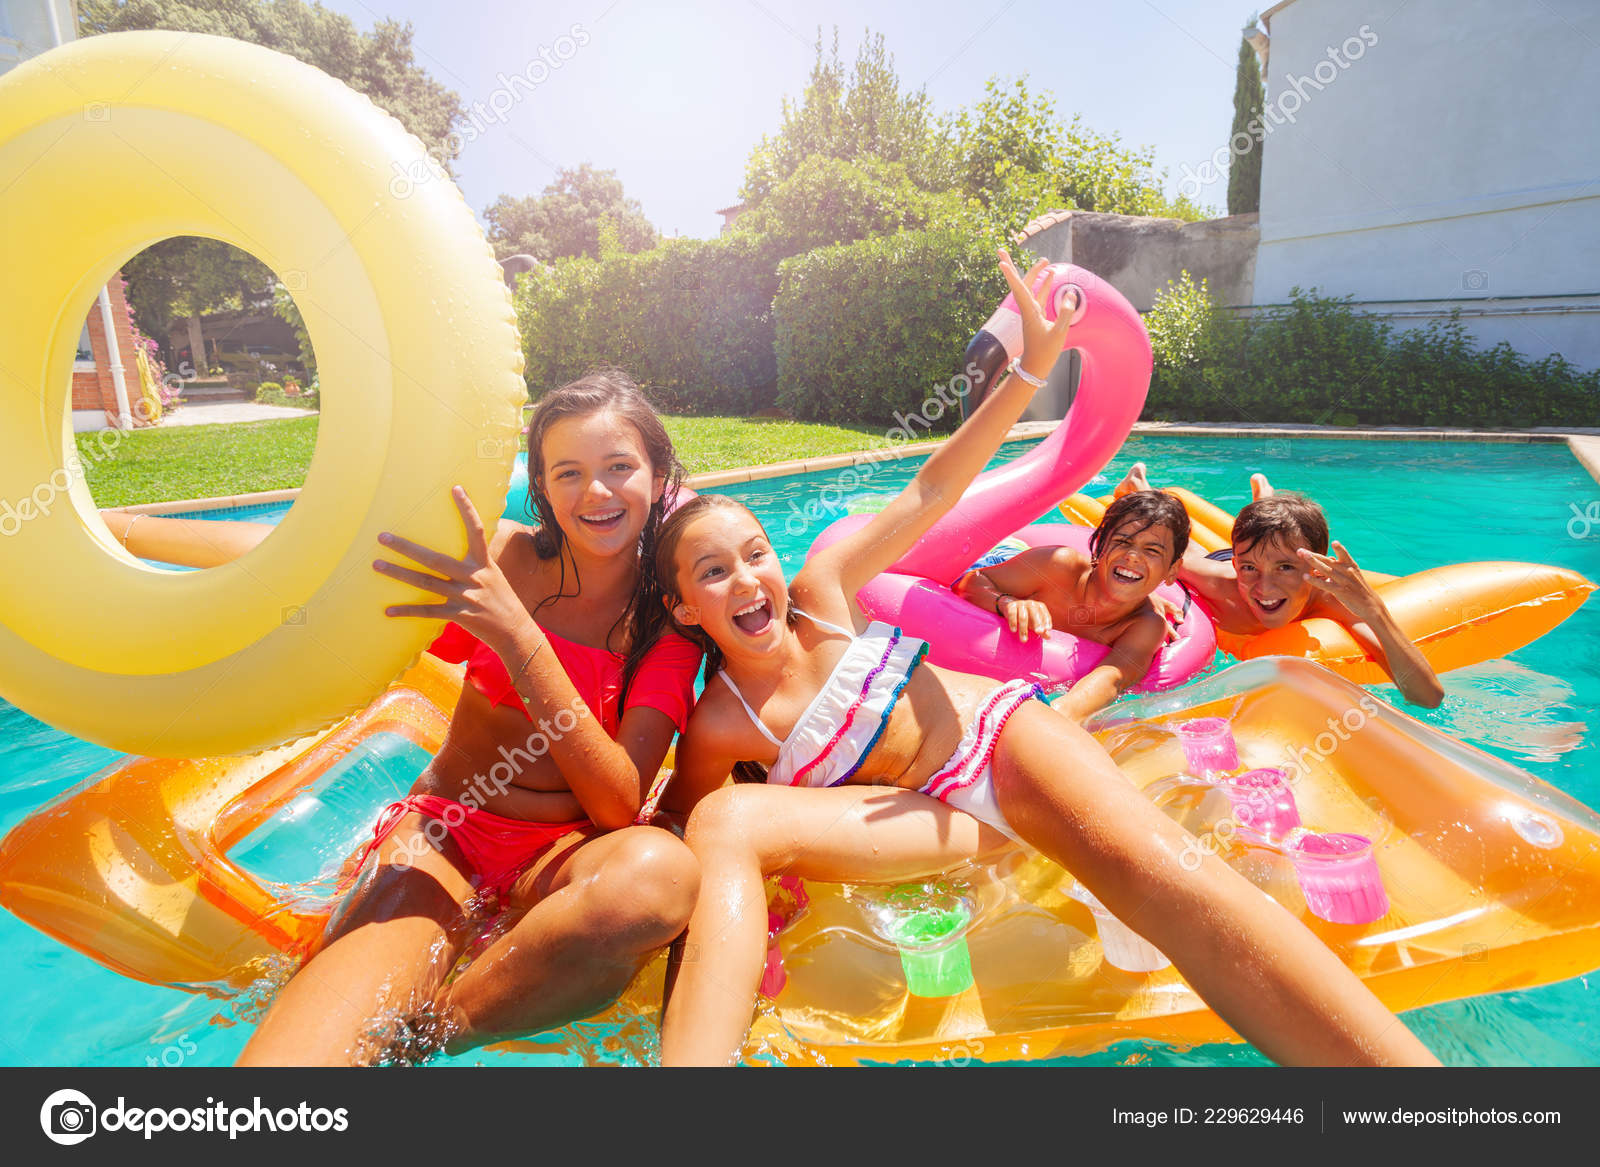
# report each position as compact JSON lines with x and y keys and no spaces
{"x":1134,"y":480}
{"x":1254,"y":963}
{"x":604,"y":905}
{"x":387,"y":951}
{"x":743,"y":833}
{"x":1260,"y":488}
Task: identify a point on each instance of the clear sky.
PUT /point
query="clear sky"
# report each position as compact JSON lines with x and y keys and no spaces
{"x":673,"y":95}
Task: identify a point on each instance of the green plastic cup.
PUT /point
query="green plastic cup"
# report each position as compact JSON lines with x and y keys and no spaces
{"x":932,"y":939}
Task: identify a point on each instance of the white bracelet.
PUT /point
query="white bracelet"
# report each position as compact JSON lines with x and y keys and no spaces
{"x":1016,"y":367}
{"x":128,"y":530}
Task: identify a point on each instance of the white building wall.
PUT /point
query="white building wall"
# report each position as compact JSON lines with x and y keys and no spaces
{"x":26,"y":31}
{"x":1453,"y":161}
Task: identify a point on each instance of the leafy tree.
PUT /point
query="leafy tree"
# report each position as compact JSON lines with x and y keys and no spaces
{"x":379,"y":63}
{"x":831,"y":200}
{"x":188,"y":276}
{"x":1244,"y":173}
{"x":1015,"y":154}
{"x":850,"y":115}
{"x":566,"y":219}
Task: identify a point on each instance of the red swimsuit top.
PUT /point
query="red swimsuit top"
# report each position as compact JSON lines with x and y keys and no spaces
{"x":665,"y":679}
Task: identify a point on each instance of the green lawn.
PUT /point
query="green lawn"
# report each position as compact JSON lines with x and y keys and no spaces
{"x":722,"y":443}
{"x":204,"y":461}
{"x":199,"y":461}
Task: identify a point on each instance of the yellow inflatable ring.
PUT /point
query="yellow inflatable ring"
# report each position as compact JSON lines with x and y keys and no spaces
{"x":110,"y":144}
{"x":1458,"y":614}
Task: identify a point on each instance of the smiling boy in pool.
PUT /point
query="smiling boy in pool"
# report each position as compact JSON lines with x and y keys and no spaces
{"x":1103,"y":596}
{"x":1280,"y":571}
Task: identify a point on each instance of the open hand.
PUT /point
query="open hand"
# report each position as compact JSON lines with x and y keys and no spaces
{"x":475,"y":592}
{"x":1339,"y":577}
{"x":1025,"y":616}
{"x":1042,"y":341}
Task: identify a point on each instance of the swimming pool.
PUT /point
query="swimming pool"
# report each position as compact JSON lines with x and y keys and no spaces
{"x":1399,"y":506}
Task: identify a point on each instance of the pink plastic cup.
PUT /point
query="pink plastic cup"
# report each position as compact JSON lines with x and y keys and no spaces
{"x":1339,"y":877}
{"x":1263,"y":803}
{"x":1208,"y":746}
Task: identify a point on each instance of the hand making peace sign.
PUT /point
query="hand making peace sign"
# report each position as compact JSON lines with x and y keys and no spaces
{"x":1042,"y":341}
{"x":476,"y":593}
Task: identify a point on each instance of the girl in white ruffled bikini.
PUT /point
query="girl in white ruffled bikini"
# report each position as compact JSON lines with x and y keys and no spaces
{"x":881,"y":767}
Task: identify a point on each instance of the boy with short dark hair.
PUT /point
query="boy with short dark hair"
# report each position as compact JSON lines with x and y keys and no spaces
{"x":1103,"y":597}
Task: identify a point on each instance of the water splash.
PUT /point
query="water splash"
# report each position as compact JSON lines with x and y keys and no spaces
{"x":1507,"y":706}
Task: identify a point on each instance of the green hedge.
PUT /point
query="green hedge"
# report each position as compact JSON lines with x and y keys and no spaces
{"x":1319,"y":360}
{"x":868,"y":330}
{"x":691,"y":320}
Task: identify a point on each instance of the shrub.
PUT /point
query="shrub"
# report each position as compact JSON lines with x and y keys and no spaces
{"x":691,"y":320}
{"x":271,"y":393}
{"x":869,"y":329}
{"x":1317,"y":359}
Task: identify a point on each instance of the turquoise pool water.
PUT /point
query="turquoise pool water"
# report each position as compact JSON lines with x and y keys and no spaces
{"x":1399,"y":506}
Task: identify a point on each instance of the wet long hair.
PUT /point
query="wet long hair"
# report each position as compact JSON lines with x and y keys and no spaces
{"x":595,"y":392}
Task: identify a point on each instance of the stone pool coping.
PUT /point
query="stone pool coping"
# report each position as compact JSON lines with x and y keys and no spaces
{"x":1584,"y":442}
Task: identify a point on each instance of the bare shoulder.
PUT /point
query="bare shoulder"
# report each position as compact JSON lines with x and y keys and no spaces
{"x":1064,"y":555}
{"x":505,"y":537}
{"x":1145,"y":623}
{"x":822,"y":597}
{"x":1209,"y":576}
{"x":718,"y":723}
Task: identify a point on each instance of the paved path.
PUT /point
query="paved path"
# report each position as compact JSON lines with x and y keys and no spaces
{"x":230,"y":411}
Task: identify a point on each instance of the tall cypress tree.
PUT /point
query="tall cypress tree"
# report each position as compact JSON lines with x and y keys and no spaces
{"x":1244,"y":172}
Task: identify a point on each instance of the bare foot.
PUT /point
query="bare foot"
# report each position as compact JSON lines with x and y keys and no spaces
{"x":1135,"y":480}
{"x":1260,"y":488}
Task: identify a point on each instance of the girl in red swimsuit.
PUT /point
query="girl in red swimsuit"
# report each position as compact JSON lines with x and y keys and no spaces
{"x":574,"y":694}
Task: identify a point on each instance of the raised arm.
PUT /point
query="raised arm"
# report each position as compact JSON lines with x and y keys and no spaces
{"x":1374,"y":627}
{"x":949,"y":470}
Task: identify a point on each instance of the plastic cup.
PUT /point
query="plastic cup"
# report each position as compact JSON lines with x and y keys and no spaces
{"x":1263,"y":802}
{"x":1208,"y":745}
{"x":1122,"y":947}
{"x":1339,"y":877}
{"x":932,"y":939}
